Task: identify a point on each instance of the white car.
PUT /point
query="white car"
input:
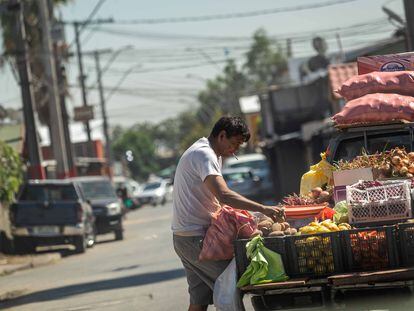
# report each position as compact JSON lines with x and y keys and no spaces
{"x":156,"y":192}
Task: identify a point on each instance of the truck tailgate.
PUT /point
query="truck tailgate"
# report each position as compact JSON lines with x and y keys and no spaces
{"x":34,"y":214}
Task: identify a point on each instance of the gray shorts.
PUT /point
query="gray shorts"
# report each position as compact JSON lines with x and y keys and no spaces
{"x":201,"y":275}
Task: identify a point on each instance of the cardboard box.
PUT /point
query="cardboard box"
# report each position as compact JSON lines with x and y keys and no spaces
{"x":390,"y":62}
{"x":349,"y":177}
{"x":339,"y":193}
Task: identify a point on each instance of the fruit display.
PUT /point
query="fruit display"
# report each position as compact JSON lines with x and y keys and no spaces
{"x":314,"y":255}
{"x":266,"y":227}
{"x":369,"y":250}
{"x":325,"y":226}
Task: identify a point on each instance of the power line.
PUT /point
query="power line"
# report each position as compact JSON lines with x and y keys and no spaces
{"x":88,"y":19}
{"x":232,"y":15}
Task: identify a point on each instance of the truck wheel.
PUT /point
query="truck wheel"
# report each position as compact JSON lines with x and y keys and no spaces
{"x":91,"y":237}
{"x":80,"y":243}
{"x":119,"y":235}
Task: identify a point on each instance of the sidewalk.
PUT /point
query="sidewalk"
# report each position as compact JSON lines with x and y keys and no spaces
{"x":10,"y":264}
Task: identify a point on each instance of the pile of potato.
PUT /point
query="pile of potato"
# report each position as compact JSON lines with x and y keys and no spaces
{"x":267,"y":227}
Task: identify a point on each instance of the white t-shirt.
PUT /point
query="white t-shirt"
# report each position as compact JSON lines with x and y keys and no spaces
{"x":193,"y":202}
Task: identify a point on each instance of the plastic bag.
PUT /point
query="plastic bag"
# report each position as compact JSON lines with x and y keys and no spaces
{"x":265,"y":265}
{"x":318,"y":175}
{"x":376,"y":107}
{"x":227,"y":225}
{"x":226,"y":295}
{"x":400,"y":82}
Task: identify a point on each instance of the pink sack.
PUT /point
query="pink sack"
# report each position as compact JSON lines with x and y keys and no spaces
{"x":376,"y":108}
{"x":227,"y":225}
{"x":399,"y":82}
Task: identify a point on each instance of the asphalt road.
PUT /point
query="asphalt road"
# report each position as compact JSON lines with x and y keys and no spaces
{"x":140,"y":273}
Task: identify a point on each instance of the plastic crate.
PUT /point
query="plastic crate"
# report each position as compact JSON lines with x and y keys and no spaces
{"x":369,"y":249}
{"x":314,"y":255}
{"x":391,"y":190}
{"x":377,"y":212}
{"x":388,"y":203}
{"x":276,"y":244}
{"x":406,"y":244}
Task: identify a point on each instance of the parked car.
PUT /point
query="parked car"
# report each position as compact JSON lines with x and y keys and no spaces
{"x":257,"y":162}
{"x":127,"y":190}
{"x":243,"y":181}
{"x":157,"y":192}
{"x":106,"y":205}
{"x":52,"y":212}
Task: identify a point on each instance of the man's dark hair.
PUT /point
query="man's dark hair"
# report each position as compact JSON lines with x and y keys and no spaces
{"x":233,"y":126}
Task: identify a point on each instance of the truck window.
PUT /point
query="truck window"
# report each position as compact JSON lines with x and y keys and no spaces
{"x":379,"y":143}
{"x":42,"y":193}
{"x":350,"y":148}
{"x":95,"y":190}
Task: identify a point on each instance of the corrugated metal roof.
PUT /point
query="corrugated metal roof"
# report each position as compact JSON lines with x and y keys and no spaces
{"x":339,"y":73}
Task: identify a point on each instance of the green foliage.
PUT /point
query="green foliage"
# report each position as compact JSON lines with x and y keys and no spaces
{"x":265,"y":64}
{"x":143,"y":151}
{"x":10,"y":173}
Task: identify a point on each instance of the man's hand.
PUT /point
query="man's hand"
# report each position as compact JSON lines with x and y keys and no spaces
{"x":274,"y":212}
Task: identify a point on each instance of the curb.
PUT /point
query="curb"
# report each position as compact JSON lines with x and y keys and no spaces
{"x":31,"y":262}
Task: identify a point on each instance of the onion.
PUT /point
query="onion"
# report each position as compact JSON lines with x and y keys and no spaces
{"x":316,"y":192}
{"x":396,"y":160}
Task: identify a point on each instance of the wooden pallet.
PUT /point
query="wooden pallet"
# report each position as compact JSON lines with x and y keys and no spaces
{"x":294,"y":283}
{"x":406,"y":274}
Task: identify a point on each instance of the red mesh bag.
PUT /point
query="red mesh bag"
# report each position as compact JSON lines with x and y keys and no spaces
{"x":227,"y":225}
{"x":376,"y":107}
{"x":399,"y":82}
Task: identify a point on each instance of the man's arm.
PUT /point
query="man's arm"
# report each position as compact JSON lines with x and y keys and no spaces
{"x":217,"y":185}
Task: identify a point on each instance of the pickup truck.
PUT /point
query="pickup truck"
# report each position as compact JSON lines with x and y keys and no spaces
{"x":52,"y":212}
{"x":346,"y":144}
{"x":107,"y":207}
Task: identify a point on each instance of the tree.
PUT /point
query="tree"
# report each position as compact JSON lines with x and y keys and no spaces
{"x":34,"y":37}
{"x":10,"y":173}
{"x":265,"y":64}
{"x":143,"y":151}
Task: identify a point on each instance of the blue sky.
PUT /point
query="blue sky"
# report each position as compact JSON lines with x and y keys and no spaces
{"x":151,"y":94}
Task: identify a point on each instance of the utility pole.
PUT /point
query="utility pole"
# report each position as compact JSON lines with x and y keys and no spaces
{"x":78,"y":27}
{"x":103,"y":107}
{"x":341,"y":49}
{"x":81,"y":75}
{"x":56,"y":124}
{"x":61,"y":78}
{"x":409,"y":17}
{"x":35,"y":169}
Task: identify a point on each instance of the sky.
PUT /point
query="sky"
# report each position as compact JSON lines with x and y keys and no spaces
{"x":160,"y":67}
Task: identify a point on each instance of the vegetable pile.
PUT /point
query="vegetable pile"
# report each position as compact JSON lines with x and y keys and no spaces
{"x":315,"y":255}
{"x":316,"y":196}
{"x":267,"y":227}
{"x":369,"y":250}
{"x":394,"y":163}
{"x":325,"y":226}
